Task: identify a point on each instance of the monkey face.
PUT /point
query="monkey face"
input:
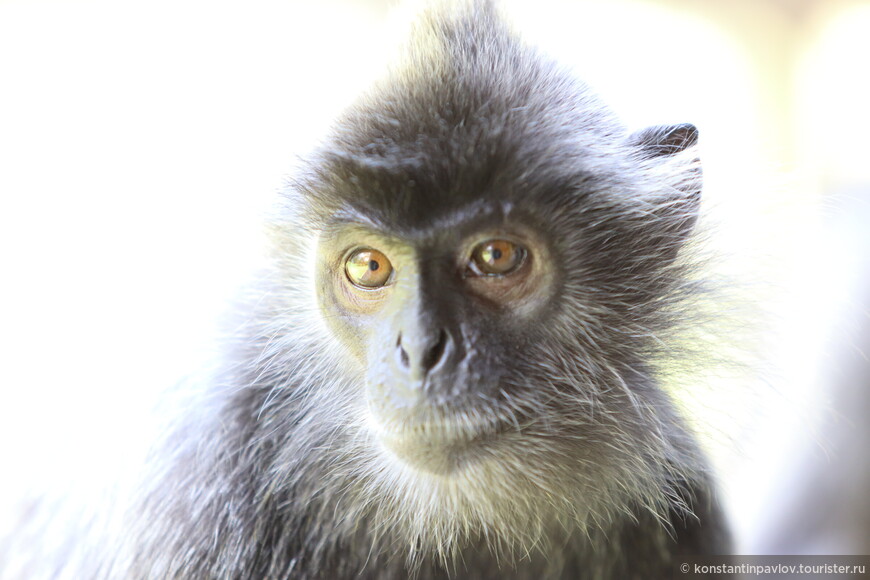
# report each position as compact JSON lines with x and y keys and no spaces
{"x":435,"y":321}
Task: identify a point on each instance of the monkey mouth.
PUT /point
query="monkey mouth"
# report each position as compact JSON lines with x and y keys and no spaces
{"x":438,"y":446}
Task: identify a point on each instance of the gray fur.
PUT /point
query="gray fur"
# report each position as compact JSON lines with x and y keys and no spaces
{"x":276,"y":475}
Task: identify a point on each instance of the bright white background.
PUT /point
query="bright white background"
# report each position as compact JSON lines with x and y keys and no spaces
{"x":139,"y":142}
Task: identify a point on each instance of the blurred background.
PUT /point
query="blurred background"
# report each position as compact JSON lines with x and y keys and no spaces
{"x":140,"y":143}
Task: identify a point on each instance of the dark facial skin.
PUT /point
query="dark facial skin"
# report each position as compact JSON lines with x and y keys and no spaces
{"x":422,"y":332}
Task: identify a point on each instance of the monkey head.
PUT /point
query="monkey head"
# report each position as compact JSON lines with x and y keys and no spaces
{"x":497,"y":265}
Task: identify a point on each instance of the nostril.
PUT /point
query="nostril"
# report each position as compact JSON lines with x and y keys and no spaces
{"x":403,"y":355}
{"x":434,"y":355}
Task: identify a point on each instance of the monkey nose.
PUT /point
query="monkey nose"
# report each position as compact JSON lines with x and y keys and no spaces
{"x":421,"y":355}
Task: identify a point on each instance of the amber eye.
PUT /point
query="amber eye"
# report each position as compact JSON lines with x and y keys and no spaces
{"x":496,"y":258}
{"x":368,"y":269}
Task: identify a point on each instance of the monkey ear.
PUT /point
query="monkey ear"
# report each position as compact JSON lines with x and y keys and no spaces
{"x":664,"y":140}
{"x":667,"y":152}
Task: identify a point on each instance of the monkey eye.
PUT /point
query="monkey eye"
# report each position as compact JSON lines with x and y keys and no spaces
{"x":496,"y":258}
{"x":368,"y":269}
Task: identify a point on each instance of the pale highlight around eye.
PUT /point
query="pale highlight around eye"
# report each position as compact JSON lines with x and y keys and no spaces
{"x":368,"y":268}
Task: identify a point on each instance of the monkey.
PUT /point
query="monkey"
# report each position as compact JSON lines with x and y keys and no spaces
{"x":451,"y":367}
